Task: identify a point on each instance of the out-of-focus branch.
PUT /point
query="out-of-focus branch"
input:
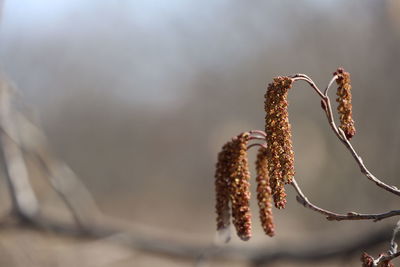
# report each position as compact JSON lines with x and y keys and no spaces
{"x":262,"y":256}
{"x":21,"y":138}
{"x":61,"y":177}
{"x":23,"y":197}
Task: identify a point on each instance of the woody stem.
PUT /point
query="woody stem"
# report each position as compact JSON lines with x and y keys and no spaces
{"x":327,"y":107}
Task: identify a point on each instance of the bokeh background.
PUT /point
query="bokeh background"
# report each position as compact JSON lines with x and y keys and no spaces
{"x":139,"y":96}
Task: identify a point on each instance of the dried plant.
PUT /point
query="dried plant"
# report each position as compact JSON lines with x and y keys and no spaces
{"x":232,"y":185}
{"x":278,"y":138}
{"x":275,"y":164}
{"x":264,"y":192}
{"x":344,"y":99}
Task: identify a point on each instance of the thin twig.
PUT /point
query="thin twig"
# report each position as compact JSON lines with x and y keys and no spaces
{"x":386,"y":258}
{"x":262,"y":133}
{"x":303,"y":77}
{"x":393,"y":244}
{"x":330,"y":84}
{"x":257,"y":144}
{"x":332,"y":216}
{"x":256,"y":138}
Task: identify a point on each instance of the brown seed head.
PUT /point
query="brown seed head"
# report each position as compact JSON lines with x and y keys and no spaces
{"x":278,"y":130}
{"x":344,"y":99}
{"x":264,"y":193}
{"x":232,"y":185}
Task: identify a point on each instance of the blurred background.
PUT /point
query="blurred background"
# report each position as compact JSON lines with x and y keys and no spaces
{"x":138,"y":97}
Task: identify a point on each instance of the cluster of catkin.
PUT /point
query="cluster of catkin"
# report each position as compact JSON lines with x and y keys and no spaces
{"x":274,"y":168}
{"x":232,"y":188}
{"x":274,"y":164}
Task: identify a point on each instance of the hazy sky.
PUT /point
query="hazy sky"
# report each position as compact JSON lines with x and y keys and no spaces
{"x":142,"y":52}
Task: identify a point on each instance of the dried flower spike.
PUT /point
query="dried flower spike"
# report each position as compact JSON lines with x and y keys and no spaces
{"x":344,"y":100}
{"x":232,"y":185}
{"x":278,"y":130}
{"x":221,"y":188}
{"x":239,"y":187}
{"x":264,"y":192}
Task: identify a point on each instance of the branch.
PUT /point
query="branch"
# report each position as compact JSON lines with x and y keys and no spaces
{"x":392,"y":253}
{"x":317,"y":251}
{"x":265,"y":255}
{"x":332,"y":216}
{"x":302,"y":199}
{"x":326,"y":105}
{"x":24,"y":201}
{"x":26,"y":139}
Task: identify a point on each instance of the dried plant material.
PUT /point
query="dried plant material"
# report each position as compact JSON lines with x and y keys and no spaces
{"x":344,"y":99}
{"x":264,"y":193}
{"x":367,"y":260}
{"x":278,"y":130}
{"x":221,"y":188}
{"x":239,"y":187}
{"x":275,"y":165}
{"x":232,"y":186}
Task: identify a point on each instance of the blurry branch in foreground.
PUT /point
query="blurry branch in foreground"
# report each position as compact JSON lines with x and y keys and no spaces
{"x":275,"y":165}
{"x":20,"y":139}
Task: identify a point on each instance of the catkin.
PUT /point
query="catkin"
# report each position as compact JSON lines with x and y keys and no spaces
{"x":278,"y":130}
{"x":221,"y":188}
{"x":344,"y":99}
{"x":264,"y":193}
{"x":232,"y":186}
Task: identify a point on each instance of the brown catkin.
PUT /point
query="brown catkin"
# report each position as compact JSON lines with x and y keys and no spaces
{"x":264,"y":192}
{"x":278,"y":130}
{"x":221,"y":188}
{"x":344,"y":99}
{"x":232,"y":186}
{"x":239,"y":186}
